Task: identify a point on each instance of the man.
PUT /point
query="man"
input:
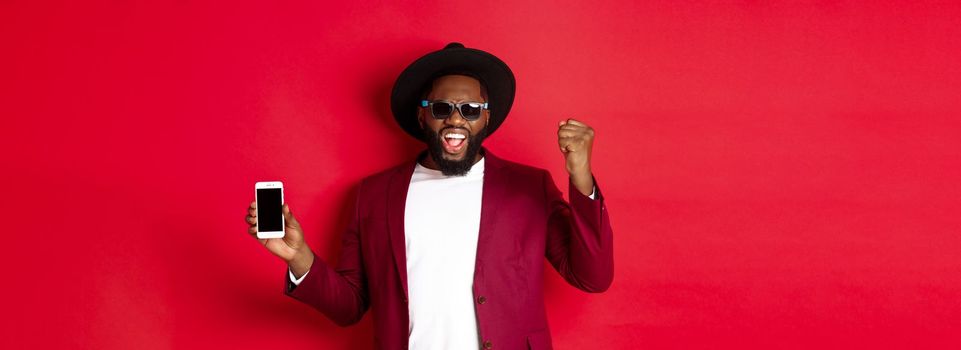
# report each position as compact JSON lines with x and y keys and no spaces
{"x":447,"y":250}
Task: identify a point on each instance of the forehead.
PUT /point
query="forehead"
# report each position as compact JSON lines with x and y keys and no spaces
{"x":456,"y":87}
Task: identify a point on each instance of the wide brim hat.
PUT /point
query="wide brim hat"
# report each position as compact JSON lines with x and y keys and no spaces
{"x":454,"y":58}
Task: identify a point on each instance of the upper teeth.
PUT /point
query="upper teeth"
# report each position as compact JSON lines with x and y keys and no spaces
{"x":455,"y":136}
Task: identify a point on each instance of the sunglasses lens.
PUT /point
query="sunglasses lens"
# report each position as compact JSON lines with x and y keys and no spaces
{"x":471,"y":111}
{"x":441,"y":110}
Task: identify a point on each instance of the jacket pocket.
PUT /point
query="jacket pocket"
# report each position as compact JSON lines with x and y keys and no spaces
{"x":539,"y":340}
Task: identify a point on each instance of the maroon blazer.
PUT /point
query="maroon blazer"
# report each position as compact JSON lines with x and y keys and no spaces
{"x":523,"y":219}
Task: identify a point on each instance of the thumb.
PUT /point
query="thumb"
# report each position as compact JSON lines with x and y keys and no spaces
{"x":293,"y":235}
{"x":289,"y":218}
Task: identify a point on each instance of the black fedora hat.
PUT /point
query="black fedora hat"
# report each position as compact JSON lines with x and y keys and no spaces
{"x":452,"y":59}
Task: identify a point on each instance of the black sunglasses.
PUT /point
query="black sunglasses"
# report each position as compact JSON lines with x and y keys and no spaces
{"x":443,"y":109}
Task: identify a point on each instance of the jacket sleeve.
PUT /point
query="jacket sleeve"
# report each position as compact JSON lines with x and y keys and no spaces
{"x":339,"y":293}
{"x":579,"y":237}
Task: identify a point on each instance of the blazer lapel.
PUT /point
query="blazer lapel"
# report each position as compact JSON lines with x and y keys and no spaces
{"x":493,"y":191}
{"x":396,"y":204}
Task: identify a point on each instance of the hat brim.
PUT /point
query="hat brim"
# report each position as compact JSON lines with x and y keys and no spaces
{"x":490,"y":70}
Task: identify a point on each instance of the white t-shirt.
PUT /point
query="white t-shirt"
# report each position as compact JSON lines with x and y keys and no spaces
{"x":441,"y":224}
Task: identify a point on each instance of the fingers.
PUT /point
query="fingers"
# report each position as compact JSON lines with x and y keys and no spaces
{"x":572,"y":121}
{"x":573,"y":135}
{"x":569,"y":133}
{"x":564,"y":131}
{"x":570,"y":127}
{"x":573,"y":128}
{"x":251,"y":219}
{"x":574,"y":139}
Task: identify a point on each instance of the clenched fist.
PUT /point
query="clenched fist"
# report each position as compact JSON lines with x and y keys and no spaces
{"x":575,"y":140}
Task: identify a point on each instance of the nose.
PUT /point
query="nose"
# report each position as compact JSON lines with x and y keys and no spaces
{"x":455,"y":118}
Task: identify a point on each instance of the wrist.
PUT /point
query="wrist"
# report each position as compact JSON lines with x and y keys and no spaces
{"x":301,"y":261}
{"x":583,"y":182}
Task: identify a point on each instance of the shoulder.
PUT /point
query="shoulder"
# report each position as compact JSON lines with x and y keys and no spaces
{"x":518,"y":173}
{"x":373,"y":192}
{"x":382,"y":179}
{"x":519,"y":169}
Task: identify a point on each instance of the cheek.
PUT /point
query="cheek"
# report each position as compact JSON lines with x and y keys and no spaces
{"x":431,"y":124}
{"x":482,"y":123}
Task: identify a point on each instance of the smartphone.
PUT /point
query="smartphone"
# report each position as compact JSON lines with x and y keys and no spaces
{"x":270,"y":205}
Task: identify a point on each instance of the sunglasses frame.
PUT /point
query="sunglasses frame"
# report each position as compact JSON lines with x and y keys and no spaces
{"x":457,"y":106}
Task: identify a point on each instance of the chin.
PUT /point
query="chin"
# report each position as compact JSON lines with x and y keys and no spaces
{"x":457,"y":157}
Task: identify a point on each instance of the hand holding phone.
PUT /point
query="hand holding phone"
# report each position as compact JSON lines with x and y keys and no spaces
{"x":290,"y":245}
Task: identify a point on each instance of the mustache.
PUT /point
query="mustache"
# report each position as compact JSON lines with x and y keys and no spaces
{"x":442,"y":131}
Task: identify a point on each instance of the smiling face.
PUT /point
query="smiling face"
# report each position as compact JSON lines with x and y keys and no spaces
{"x":454,"y":143}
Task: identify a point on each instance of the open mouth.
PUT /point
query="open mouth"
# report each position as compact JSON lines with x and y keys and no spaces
{"x":454,"y":141}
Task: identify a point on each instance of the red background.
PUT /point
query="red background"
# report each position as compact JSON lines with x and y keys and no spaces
{"x":778,"y":175}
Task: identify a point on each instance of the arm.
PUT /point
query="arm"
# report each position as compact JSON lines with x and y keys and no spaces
{"x":579,"y":238}
{"x":339,"y":293}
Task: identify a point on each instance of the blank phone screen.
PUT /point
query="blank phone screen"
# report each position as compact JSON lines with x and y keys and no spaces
{"x":269,"y":210}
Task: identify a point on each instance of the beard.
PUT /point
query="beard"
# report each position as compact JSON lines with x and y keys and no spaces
{"x":454,"y":167}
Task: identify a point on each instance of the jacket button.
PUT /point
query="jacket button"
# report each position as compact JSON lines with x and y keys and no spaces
{"x":482,"y":299}
{"x":488,"y":345}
